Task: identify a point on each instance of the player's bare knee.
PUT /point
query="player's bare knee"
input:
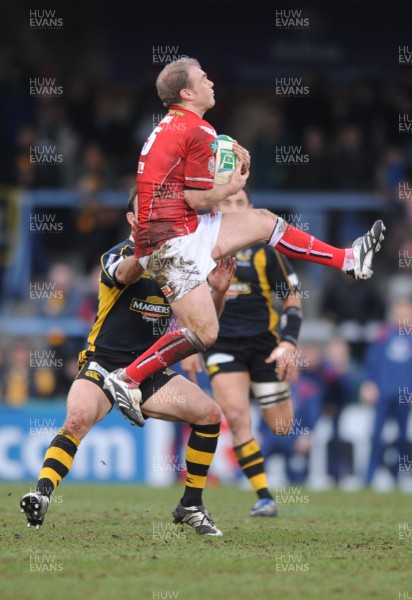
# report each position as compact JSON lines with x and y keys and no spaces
{"x":266,"y":220}
{"x":215,"y":413}
{"x":207,"y":334}
{"x":267,"y":214}
{"x":210,"y":414}
{"x":210,"y":338}
{"x":213,"y":332}
{"x":237,"y":421}
{"x":78,"y":424}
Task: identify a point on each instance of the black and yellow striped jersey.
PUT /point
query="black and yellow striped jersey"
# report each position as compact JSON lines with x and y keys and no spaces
{"x":129,"y":317}
{"x":261,"y":272}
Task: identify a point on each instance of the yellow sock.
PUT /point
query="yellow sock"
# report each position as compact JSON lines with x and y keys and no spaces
{"x":57,"y":461}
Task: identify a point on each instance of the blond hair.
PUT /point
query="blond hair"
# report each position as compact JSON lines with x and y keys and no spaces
{"x":173,"y":78}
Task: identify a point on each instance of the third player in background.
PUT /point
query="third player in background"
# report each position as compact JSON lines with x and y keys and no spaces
{"x":255,"y":351}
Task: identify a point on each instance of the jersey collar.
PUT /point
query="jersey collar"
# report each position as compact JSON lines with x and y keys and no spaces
{"x":178,"y":110}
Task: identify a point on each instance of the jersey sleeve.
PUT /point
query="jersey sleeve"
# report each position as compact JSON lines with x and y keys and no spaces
{"x":110,"y":261}
{"x":199,"y":169}
{"x":281,"y":275}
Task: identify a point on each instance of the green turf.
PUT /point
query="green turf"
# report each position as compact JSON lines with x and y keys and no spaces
{"x":113,"y":542}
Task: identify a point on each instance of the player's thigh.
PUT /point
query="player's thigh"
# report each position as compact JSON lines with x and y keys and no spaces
{"x":231,"y":392}
{"x":181,"y":400}
{"x":243,"y":228}
{"x":197,"y":312}
{"x":86,"y":405}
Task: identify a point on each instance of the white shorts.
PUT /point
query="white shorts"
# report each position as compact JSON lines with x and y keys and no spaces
{"x":182,"y":263}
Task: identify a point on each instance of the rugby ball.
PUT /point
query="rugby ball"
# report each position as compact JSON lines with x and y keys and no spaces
{"x":226,"y":159}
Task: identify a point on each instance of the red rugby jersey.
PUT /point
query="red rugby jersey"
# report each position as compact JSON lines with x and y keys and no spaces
{"x":177,"y":155}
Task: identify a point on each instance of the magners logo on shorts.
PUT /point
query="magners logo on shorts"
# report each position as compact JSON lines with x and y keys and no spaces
{"x":153,"y":307}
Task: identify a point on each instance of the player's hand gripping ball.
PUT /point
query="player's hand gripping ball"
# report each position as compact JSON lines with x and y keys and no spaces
{"x":226,"y":159}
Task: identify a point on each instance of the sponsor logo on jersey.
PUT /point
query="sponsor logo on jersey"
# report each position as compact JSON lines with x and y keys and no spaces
{"x":213,"y":146}
{"x":145,"y":275}
{"x":244,"y":255}
{"x":238,"y":287}
{"x":211,"y":165}
{"x":153,"y":307}
{"x":208,"y":130}
{"x":243,"y":263}
{"x":173,"y":111}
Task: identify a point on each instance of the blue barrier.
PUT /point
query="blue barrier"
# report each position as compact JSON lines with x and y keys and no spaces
{"x":112,"y":451}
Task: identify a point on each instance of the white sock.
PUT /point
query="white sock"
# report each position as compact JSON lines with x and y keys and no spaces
{"x":348,"y":261}
{"x":278,"y":232}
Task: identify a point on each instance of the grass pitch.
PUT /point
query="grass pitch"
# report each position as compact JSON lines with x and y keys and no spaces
{"x":118,"y":542}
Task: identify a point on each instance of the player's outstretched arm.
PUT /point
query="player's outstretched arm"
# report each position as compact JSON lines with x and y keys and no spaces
{"x":285,"y":353}
{"x":286,"y":360}
{"x":129,"y":271}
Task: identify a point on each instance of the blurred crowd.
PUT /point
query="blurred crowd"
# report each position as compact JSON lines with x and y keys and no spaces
{"x":350,"y":131}
{"x":44,"y":366}
{"x":330,"y":380}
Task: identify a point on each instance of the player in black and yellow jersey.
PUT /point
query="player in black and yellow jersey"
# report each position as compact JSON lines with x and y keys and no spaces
{"x":255,"y":350}
{"x":133,"y":304}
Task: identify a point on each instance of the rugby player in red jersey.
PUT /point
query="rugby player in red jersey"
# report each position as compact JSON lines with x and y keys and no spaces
{"x":179,"y":247}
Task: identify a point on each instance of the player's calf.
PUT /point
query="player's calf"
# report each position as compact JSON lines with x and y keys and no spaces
{"x":252,"y":463}
{"x":200,"y":451}
{"x":167,"y":350}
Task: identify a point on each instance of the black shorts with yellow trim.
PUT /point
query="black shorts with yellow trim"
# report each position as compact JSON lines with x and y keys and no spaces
{"x":95,"y":365}
{"x":243,"y":354}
